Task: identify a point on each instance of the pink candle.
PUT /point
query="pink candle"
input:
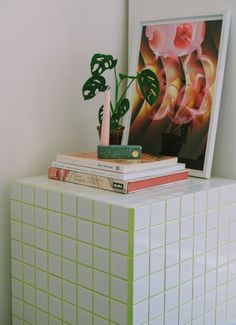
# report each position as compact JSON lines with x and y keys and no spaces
{"x":105,"y":130}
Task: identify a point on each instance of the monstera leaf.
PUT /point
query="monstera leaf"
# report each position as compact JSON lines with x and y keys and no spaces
{"x":123,"y":108}
{"x":101,"y":63}
{"x":100,"y":114}
{"x":93,"y":85}
{"x":149,"y":85}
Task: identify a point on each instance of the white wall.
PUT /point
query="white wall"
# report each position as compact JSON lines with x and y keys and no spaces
{"x":45,"y":50}
{"x":224,"y":160}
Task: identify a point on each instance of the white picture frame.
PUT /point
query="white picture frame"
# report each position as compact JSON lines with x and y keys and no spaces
{"x":189,"y":104}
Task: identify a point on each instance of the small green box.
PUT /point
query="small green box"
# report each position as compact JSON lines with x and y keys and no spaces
{"x":119,"y":152}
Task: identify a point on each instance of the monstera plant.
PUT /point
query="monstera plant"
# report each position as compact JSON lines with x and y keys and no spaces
{"x":146,"y":79}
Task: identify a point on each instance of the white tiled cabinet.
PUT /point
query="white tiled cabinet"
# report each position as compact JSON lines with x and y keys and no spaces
{"x":82,"y":256}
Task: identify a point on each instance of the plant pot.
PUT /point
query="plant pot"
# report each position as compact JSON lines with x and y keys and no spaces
{"x":171,"y":144}
{"x":115,"y":135}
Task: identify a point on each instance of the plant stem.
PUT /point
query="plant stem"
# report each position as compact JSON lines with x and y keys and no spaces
{"x":116,"y":89}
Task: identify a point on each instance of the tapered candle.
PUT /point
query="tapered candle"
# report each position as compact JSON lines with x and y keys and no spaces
{"x":105,"y":130}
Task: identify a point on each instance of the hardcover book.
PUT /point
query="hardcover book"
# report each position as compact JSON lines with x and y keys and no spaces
{"x":112,"y":184}
{"x":89,"y":159}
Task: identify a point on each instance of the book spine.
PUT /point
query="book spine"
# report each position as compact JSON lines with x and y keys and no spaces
{"x":87,"y":170}
{"x":100,"y":182}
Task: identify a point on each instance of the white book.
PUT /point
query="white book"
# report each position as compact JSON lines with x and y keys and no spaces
{"x":122,"y":176}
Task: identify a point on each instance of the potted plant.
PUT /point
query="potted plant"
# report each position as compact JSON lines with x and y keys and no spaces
{"x":146,"y":79}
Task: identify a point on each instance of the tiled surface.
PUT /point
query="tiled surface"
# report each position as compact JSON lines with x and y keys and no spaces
{"x":165,"y":256}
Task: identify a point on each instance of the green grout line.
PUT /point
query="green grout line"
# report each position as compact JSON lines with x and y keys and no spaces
{"x":180,"y":241}
{"x":130,"y":265}
{"x":92,"y":221}
{"x":149,"y":264}
{"x":110,"y":221}
{"x":193,"y":257}
{"x":164,"y":305}
{"x":77,"y":259}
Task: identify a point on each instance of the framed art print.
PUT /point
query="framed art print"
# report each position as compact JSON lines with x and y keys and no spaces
{"x":188,"y":56}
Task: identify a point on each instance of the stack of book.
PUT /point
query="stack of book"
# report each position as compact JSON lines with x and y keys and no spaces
{"x":117,"y":175}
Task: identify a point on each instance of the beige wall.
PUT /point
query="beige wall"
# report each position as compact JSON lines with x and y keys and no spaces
{"x":45,"y":52}
{"x":224,"y":160}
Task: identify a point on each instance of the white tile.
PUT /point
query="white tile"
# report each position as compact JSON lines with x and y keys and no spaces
{"x":232,"y":270}
{"x":16,"y":269}
{"x":171,"y":317}
{"x":157,"y":236}
{"x":199,"y":244}
{"x":198,"y":321}
{"x":200,"y":222}
{"x":186,"y":268}
{"x":85,"y":208}
{"x":223,"y":235}
{"x":17,"y":307}
{"x":118,"y":312}
{"x":69,"y":270}
{"x":69,"y":226}
{"x":17,"y":289}
{"x":211,"y":260}
{"x":41,"y":218}
{"x":54,"y":244}
{"x":199,"y":265}
{"x":42,"y":300}
{"x":187,"y":203}
{"x":119,"y":265}
{"x":198,"y":286}
{"x":28,"y":193}
{"x":231,"y":309}
{"x":210,"y":317}
{"x":84,"y":276}
{"x":29,"y":294}
{"x":28,"y":254}
{"x":157,"y":259}
{"x":54,"y":265}
{"x":186,"y":249}
{"x":28,"y":214}
{"x":233,"y":193}
{"x":69,"y":292}
{"x":41,"y":280}
{"x":55,"y":286}
{"x":186,"y":292}
{"x":200,"y":201}
{"x":69,"y":204}
{"x":102,"y":212}
{"x":210,"y":300}
{"x":172,"y":254}
{"x":69,"y":313}
{"x":85,"y":231}
{"x":101,"y":236}
{"x":16,"y":210}
{"x":140,"y":289}
{"x":84,"y":317}
{"x":101,"y":305}
{"x":156,"y":283}
{"x":41,"y":317}
{"x":54,"y":321}
{"x":28,"y":235}
{"x":171,"y":299}
{"x":157,"y":321}
{"x":221,"y":314}
{"x":140,"y":312}
{"x":29,"y":274}
{"x":172,"y":232}
{"x":141,"y":241}
{"x":212,"y":219}
{"x":41,"y":239}
{"x":54,"y":221}
{"x":186,"y":226}
{"x":156,"y":306}
{"x":54,"y":201}
{"x":172,"y":209}
{"x":29,"y":314}
{"x":158,"y":213}
{"x":212,"y":239}
{"x":232,"y":231}
{"x":85,"y":254}
{"x":222,"y":293}
{"x":16,"y":230}
{"x":101,"y":259}
{"x":16,"y":249}
{"x":119,"y":289}
{"x":224,"y":197}
{"x":16,"y":191}
{"x":222,"y":274}
{"x":185,"y":313}
{"x":69,"y":248}
{"x":212,"y":198}
{"x":141,"y":217}
{"x":210,"y":280}
{"x":85,"y":298}
{"x":119,"y":217}
{"x":198,"y":306}
{"x":55,"y":306}
{"x":100,"y":321}
{"x":140,"y":265}
{"x":101,"y":282}
{"x":172,"y":276}
{"x":224,"y":215}
{"x":41,"y":197}
{"x":41,"y":259}
{"x":232,"y":211}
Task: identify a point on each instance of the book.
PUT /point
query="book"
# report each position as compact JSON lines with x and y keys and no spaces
{"x":122,"y":176}
{"x":112,"y":184}
{"x":89,"y":159}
